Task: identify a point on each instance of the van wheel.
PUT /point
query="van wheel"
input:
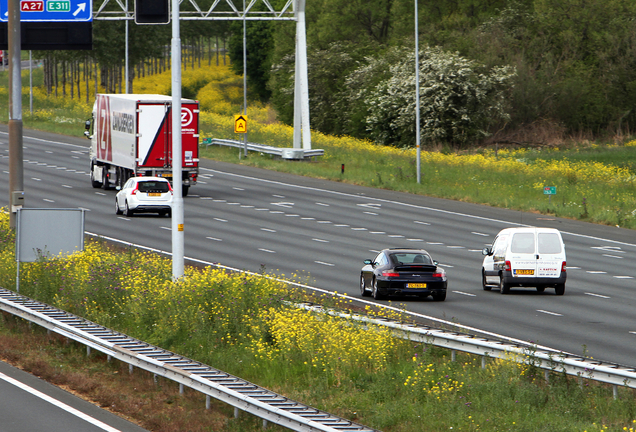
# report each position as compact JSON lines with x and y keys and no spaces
{"x":504,"y":288}
{"x":559,"y":289}
{"x":540,"y":288}
{"x":484,"y":285}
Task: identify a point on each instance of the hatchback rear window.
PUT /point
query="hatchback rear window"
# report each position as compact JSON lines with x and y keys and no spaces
{"x":549,"y":243}
{"x":522,"y":243}
{"x":153,"y":186}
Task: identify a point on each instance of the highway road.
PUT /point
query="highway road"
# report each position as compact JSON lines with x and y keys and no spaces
{"x":250,"y":218}
{"x":22,"y":395}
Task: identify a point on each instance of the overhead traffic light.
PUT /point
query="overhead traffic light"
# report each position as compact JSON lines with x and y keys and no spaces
{"x":152,"y":11}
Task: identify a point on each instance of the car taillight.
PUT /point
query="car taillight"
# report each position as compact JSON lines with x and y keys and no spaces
{"x":440,"y":273}
{"x":563,"y":266}
{"x":134,"y":191}
{"x":390,"y":274}
{"x":508,"y":266}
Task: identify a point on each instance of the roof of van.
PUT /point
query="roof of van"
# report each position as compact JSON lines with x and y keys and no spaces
{"x":529,"y":229}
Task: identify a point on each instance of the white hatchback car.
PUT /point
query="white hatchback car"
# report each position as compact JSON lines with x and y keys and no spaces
{"x":145,"y":195}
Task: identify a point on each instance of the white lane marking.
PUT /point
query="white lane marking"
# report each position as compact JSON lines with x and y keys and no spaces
{"x":266,"y":250}
{"x":214,"y":238}
{"x":341,"y":225}
{"x":396,"y":236}
{"x":291,"y":215}
{"x":415,"y":206}
{"x":548,"y":312}
{"x":261,"y":209}
{"x":597,"y":295}
{"x":479,"y":234}
{"x":67,"y":186}
{"x":51,"y":166}
{"x":123,"y":218}
{"x":377,"y":232}
{"x":81,"y":172}
{"x":36,"y":179}
{"x":456,"y":247}
{"x":284,"y":204}
{"x":623,"y":277}
{"x":358,"y":229}
{"x":465,"y":293}
{"x":612,"y":256}
{"x":415,"y":240}
{"x":276,"y":212}
{"x":324,"y":222}
{"x":220,"y":200}
{"x":201,"y":182}
{"x":320,"y":240}
{"x":308,"y":218}
{"x":247,"y":206}
{"x":48,"y":151}
{"x":206,"y":198}
{"x":370,"y":213}
{"x":220,"y":220}
{"x":633,"y":332}
{"x":268,"y":230}
{"x":445,"y":265}
{"x":238,"y":188}
{"x":474,"y":250}
{"x":421,"y":223}
{"x":100,"y":193}
{"x":574,"y":268}
{"x":48,"y":200}
{"x":61,"y":168}
{"x":614,"y":249}
{"x":595,"y":272}
{"x":166,"y":228}
{"x":322,"y":204}
{"x":278,"y":196}
{"x":374,"y":206}
{"x":324,"y":263}
{"x":71,"y":170}
{"x":233,"y":203}
{"x":434,"y":243}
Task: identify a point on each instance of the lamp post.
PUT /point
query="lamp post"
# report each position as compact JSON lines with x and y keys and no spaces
{"x":417,"y":97}
{"x":177,"y":198}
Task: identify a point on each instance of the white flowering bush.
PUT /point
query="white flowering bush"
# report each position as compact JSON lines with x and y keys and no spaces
{"x":459,"y":99}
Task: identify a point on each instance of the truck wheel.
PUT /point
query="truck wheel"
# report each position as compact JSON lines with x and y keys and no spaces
{"x":559,"y":289}
{"x":105,"y":181}
{"x":96,"y":184}
{"x":504,"y":288}
{"x":184,"y":191}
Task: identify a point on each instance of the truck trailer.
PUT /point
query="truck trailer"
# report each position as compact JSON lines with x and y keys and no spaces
{"x":131,"y":135}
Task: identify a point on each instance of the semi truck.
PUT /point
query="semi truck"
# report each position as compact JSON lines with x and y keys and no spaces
{"x":131,"y":135}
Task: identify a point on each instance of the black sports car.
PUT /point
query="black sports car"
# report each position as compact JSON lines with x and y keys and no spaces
{"x":405,"y":272}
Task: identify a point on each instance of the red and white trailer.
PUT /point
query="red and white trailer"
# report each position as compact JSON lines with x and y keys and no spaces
{"x":132,"y":136}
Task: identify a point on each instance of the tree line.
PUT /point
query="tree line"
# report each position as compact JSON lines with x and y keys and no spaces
{"x":489,"y":68}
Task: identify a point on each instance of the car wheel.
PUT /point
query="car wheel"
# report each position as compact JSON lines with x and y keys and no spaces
{"x":484,"y":285}
{"x":559,"y":289}
{"x":504,"y":288}
{"x":128,"y":212}
{"x":439,"y":296}
{"x":540,"y":288}
{"x":375,"y":291}
{"x":117,"y":209}
{"x":363,"y":287}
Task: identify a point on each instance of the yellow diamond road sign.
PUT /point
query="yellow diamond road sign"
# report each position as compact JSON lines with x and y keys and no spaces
{"x":240,"y":124}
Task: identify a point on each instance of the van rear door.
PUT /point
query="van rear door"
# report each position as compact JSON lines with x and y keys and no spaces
{"x":550,"y":254}
{"x":523,"y":254}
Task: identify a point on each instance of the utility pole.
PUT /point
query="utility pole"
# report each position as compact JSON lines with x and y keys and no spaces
{"x":178,"y":237}
{"x":16,"y":174}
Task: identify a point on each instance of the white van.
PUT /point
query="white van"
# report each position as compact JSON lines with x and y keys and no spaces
{"x":521,"y":257}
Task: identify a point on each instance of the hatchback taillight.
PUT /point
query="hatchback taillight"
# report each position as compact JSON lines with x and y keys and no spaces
{"x":390,"y":274}
{"x":134,"y":191}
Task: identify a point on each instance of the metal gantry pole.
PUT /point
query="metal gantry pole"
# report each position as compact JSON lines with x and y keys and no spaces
{"x":417,"y":97}
{"x":177,"y":182}
{"x":244,"y":76}
{"x":16,"y":172}
{"x":126,"y":77}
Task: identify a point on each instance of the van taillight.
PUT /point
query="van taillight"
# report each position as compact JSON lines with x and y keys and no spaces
{"x":563,"y":266}
{"x":508,"y":266}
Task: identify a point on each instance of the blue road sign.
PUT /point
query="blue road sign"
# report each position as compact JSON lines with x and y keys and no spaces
{"x":50,"y":10}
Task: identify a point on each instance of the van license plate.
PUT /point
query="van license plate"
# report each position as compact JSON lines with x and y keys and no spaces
{"x":154,"y":194}
{"x":524,"y":272}
{"x":416,"y":285}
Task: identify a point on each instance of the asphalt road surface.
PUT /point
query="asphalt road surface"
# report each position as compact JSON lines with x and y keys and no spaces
{"x":251,"y":219}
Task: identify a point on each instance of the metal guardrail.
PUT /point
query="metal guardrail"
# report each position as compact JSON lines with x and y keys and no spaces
{"x":284,"y":153}
{"x":241,"y":394}
{"x":557,"y":361}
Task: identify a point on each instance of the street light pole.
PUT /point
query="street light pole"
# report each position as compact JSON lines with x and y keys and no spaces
{"x":16,"y":173}
{"x":177,"y":198}
{"x":417,"y":97}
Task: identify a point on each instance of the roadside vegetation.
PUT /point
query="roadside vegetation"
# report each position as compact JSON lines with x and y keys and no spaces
{"x":245,"y":325}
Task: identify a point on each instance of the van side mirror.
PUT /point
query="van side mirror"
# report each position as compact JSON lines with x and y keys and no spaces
{"x":486,"y":251}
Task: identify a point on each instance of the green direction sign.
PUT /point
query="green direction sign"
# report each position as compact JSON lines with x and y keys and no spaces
{"x":549,"y":190}
{"x":58,"y":6}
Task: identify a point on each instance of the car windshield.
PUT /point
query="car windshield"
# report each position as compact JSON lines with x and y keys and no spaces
{"x":153,"y":186}
{"x":410,"y":258}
